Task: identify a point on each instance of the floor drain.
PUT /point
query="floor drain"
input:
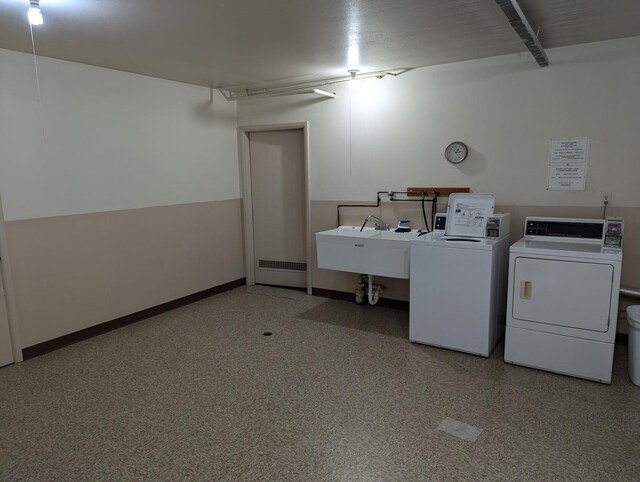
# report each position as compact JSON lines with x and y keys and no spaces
{"x":267,"y":333}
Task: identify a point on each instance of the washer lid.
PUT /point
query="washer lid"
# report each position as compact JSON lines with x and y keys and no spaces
{"x":467,"y":214}
{"x":440,"y":241}
{"x":633,"y":315}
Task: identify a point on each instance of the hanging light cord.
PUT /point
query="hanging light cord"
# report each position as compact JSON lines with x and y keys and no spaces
{"x":350,"y":137}
{"x":35,"y":64}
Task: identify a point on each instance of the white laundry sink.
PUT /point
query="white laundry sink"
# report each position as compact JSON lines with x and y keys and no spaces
{"x":380,"y":253}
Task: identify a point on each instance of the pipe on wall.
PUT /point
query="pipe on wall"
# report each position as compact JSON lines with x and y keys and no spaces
{"x":630,"y":292}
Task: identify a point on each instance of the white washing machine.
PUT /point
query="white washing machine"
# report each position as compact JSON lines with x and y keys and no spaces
{"x":562,"y":304}
{"x":458,"y":278}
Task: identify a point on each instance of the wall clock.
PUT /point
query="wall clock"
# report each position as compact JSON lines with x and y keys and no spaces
{"x":456,"y":152}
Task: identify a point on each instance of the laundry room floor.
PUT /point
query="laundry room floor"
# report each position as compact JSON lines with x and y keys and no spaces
{"x":336,"y":392}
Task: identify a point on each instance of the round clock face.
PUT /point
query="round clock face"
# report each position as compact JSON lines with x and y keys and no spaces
{"x":456,"y":152}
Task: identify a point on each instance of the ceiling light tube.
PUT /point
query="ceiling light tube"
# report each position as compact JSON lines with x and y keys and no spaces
{"x":324,"y":93}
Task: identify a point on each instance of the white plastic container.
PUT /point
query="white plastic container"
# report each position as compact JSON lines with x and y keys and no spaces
{"x":633,"y":317}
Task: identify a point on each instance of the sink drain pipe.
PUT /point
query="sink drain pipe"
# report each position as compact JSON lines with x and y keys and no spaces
{"x":373,"y":291}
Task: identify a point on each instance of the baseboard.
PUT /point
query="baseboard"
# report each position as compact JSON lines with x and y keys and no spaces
{"x":50,"y":345}
{"x":345,"y":296}
{"x":65,"y":340}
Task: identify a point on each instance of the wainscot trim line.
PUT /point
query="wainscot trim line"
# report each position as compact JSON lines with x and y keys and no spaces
{"x":71,"y":338}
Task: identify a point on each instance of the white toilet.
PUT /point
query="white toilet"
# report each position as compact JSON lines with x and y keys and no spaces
{"x":633,"y":317}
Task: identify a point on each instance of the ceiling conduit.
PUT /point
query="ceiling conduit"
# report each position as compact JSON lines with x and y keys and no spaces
{"x":520,"y":24}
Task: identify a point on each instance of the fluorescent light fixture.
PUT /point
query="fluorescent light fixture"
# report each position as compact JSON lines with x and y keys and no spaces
{"x":276,"y":93}
{"x":34,"y":14}
{"x":312,"y":87}
{"x":324,"y":93}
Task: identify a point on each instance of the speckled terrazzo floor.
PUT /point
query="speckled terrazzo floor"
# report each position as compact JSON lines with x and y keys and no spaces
{"x":336,"y":393}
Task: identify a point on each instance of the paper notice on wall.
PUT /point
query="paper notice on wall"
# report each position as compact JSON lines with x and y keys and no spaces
{"x":569,"y":177}
{"x":568,"y":164}
{"x":563,"y":151}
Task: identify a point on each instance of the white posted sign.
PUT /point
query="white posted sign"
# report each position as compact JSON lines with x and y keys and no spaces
{"x":568,"y":164}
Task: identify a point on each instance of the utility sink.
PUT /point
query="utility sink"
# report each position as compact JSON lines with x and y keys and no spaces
{"x":380,"y":253}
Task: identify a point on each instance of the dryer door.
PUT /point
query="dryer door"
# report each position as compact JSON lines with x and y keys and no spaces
{"x":563,"y":293}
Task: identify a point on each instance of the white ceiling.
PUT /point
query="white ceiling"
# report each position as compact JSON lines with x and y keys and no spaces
{"x":265,"y":42}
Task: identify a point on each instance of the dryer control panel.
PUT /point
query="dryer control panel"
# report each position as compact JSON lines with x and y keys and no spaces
{"x":607,"y":233}
{"x":613,"y":233}
{"x":565,"y":228}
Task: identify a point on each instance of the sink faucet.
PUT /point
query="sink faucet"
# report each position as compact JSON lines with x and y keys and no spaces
{"x":380,"y":225}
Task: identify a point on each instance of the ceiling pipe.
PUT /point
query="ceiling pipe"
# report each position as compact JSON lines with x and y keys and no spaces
{"x":319,"y":92}
{"x":230,"y":96}
{"x":311,"y":87}
{"x":520,"y":24}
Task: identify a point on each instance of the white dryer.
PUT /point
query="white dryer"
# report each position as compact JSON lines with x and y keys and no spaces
{"x":458,"y":278}
{"x":562,"y":303}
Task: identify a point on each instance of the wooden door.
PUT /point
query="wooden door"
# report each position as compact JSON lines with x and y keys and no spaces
{"x":278,"y":205}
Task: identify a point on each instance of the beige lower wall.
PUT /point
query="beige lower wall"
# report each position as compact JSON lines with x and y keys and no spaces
{"x":324,"y":216}
{"x":73,"y":272}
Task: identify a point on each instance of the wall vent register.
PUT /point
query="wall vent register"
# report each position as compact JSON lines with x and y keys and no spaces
{"x":282,"y":265}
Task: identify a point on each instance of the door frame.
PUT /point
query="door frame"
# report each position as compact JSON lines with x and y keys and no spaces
{"x":245,"y":176}
{"x":9,"y":292}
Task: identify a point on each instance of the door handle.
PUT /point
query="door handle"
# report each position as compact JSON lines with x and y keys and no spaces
{"x":525,"y":290}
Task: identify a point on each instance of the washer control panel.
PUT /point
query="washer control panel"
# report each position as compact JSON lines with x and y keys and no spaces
{"x":440,"y":222}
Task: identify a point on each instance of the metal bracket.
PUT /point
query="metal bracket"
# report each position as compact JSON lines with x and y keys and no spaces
{"x":519,"y":22}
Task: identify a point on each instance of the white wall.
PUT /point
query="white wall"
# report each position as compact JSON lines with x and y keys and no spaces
{"x":103,"y":140}
{"x":391,"y":133}
{"x":114,"y":186}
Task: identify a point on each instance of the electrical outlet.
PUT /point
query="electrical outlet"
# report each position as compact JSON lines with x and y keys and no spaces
{"x":607,"y":197}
